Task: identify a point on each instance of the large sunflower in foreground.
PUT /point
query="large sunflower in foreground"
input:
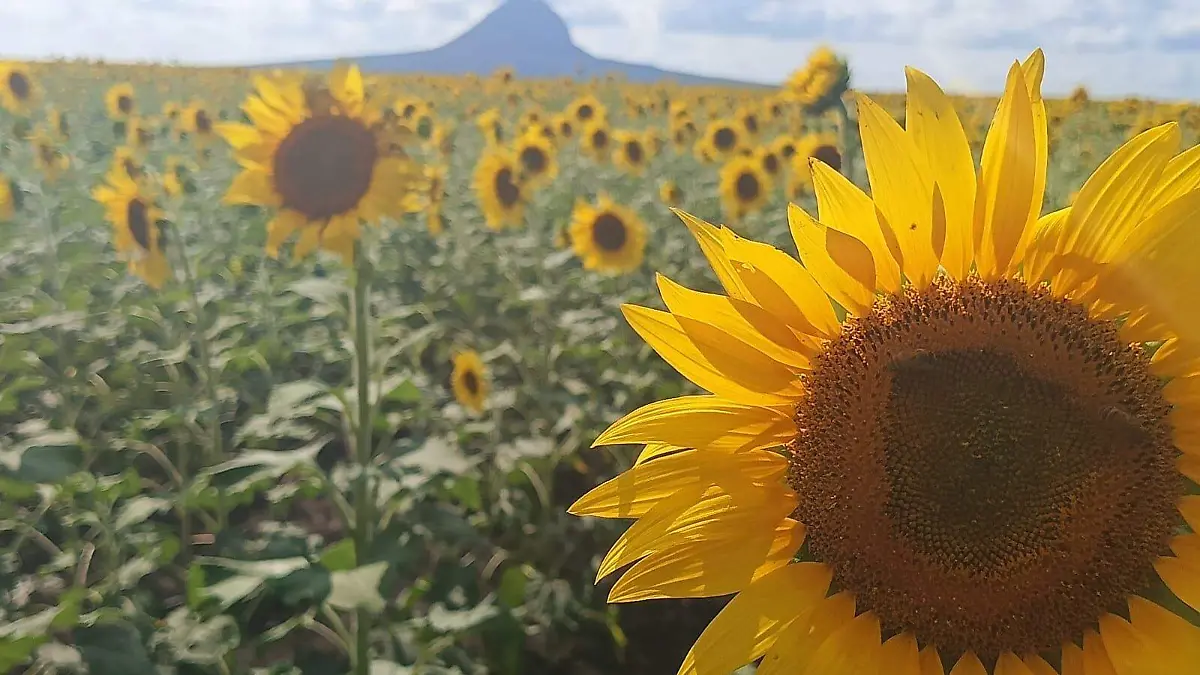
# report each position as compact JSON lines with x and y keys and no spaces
{"x":497,"y":183}
{"x":18,"y":88}
{"x":137,"y":234}
{"x":607,"y":237}
{"x":984,"y":465}
{"x":469,"y":381}
{"x":320,"y":154}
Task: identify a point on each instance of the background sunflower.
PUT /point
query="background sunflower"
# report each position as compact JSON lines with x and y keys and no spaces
{"x":607,"y":237}
{"x":502,"y":197}
{"x":137,"y":234}
{"x":469,"y":381}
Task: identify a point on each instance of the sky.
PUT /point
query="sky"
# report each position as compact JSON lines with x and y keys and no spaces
{"x":1113,"y":47}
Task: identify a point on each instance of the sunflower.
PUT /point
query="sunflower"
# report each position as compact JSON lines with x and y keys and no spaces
{"x":597,"y":139}
{"x":744,"y":186}
{"x":197,"y":122}
{"x":125,"y":160}
{"x":137,"y":233}
{"x":749,"y":121}
{"x":7,"y":198}
{"x":429,"y":201}
{"x":982,"y":464}
{"x":769,"y":160}
{"x":171,"y":110}
{"x":607,"y":236}
{"x":18,"y":89}
{"x":670,"y":194}
{"x":587,"y":110}
{"x":319,"y":153}
{"x":56,"y":122}
{"x":820,"y":83}
{"x":469,"y":381}
{"x":138,"y":133}
{"x":721,"y":139}
{"x":629,"y":152}
{"x":490,"y":126}
{"x":784,"y":146}
{"x":120,"y":102}
{"x":819,"y":147}
{"x":178,"y":176}
{"x":536,"y":156}
{"x":498,"y":187}
{"x":564,"y":126}
{"x":47,"y":157}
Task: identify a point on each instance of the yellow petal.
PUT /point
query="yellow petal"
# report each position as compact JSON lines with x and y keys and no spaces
{"x":1182,"y":577}
{"x":706,"y":422}
{"x":636,"y":491}
{"x":1112,"y":202}
{"x":1175,"y":358}
{"x":281,"y":228}
{"x":1189,"y":507}
{"x":933,"y":125}
{"x":1181,"y":175}
{"x":1171,"y":633}
{"x":968,"y":664}
{"x":849,"y":650}
{"x":1049,"y":234}
{"x":310,"y":239}
{"x":901,"y":655}
{"x":1132,"y":653}
{"x":706,"y":567}
{"x":1189,"y":466}
{"x":743,"y":321}
{"x":798,"y":643}
{"x":733,"y":509}
{"x":653,"y":450}
{"x":901,"y":188}
{"x":842,"y":206}
{"x":238,"y":135}
{"x":931,"y":663}
{"x":1072,"y":660}
{"x":252,"y":186}
{"x":1183,"y":390}
{"x":840,"y":263}
{"x":749,"y":625}
{"x":1033,"y":68}
{"x":1006,"y":204}
{"x":1095,"y":657}
{"x":1008,"y":664}
{"x":1038,"y":666}
{"x":714,"y":360}
{"x":712,"y":245}
{"x":778,"y":283}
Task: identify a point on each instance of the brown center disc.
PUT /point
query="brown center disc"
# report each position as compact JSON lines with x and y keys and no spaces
{"x":324,"y":166}
{"x":985,"y":466}
{"x":609,"y":232}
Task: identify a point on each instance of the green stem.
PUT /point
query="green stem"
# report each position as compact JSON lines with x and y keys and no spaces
{"x":364,"y":450}
{"x":846,"y":139}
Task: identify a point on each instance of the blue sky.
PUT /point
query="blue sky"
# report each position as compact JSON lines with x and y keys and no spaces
{"x":1115,"y":47}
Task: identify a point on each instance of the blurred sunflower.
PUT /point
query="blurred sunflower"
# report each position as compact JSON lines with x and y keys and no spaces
{"x":498,"y":188}
{"x":596,"y":140}
{"x":629,"y":152}
{"x":537,"y":159}
{"x":119,"y":101}
{"x":56,"y":121}
{"x":18,"y":89}
{"x":670,"y":194}
{"x":319,"y":153}
{"x":125,"y":160}
{"x":784,"y":146}
{"x":820,"y":83}
{"x":748,"y":118}
{"x":198,"y":124}
{"x":607,"y":237}
{"x":429,"y":201}
{"x":986,"y":461}
{"x":587,"y":110}
{"x":490,"y":126}
{"x":744,"y":186}
{"x":138,"y":133}
{"x":178,"y":176}
{"x":137,"y":233}
{"x":171,"y":110}
{"x":721,"y":139}
{"x":769,"y":160}
{"x":7,"y":198}
{"x":564,"y":126}
{"x":469,"y":381}
{"x":49,"y":159}
{"x":820,"y":147}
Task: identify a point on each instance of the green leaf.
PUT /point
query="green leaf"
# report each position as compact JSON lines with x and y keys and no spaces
{"x":113,"y":649}
{"x":358,"y":588}
{"x":452,"y":621}
{"x":19,"y":638}
{"x":512,"y":586}
{"x":249,"y":577}
{"x":192,"y":639}
{"x":389,"y":668}
{"x":339,"y":557}
{"x":138,"y":509}
{"x":259,"y":466}
{"x":43,"y":456}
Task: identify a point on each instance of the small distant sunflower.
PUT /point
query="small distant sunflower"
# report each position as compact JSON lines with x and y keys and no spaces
{"x":770,"y":161}
{"x":48,"y":157}
{"x":125,"y":160}
{"x":7,"y":198}
{"x":821,"y":147}
{"x":491,"y":126}
{"x":171,"y":110}
{"x":469,"y":381}
{"x":197,"y":121}
{"x":607,"y":237}
{"x":178,"y":176}
{"x":587,"y":110}
{"x":722,"y":139}
{"x":18,"y":89}
{"x":57,"y":123}
{"x":536,"y":158}
{"x":137,"y":233}
{"x":629,"y":152}
{"x":564,"y":126}
{"x":596,"y":139}
{"x":744,"y":186}
{"x":784,"y":146}
{"x":749,"y":120}
{"x":120,"y":102}
{"x":670,"y":193}
{"x":318,"y":152}
{"x":430,"y":200}
{"x":498,"y":188}
{"x":138,"y":133}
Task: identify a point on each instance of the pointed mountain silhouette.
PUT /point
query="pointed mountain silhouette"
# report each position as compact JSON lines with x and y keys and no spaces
{"x":526,"y":35}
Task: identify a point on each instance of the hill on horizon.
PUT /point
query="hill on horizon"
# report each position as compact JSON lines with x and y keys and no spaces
{"x":525,"y":35}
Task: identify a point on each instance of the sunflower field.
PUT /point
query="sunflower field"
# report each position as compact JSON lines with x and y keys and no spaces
{"x":304,"y":372}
